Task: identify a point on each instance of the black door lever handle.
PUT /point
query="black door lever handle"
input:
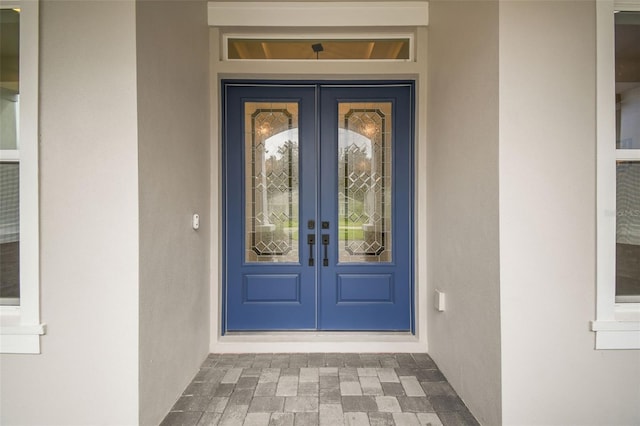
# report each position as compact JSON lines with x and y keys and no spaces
{"x":311,"y":240}
{"x":325,"y":243}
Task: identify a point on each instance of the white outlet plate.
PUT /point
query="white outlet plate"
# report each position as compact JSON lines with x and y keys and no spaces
{"x":439,"y":301}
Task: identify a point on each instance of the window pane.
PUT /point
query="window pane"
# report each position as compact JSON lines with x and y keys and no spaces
{"x":364,"y":182}
{"x":9,"y":77}
{"x":627,"y":39}
{"x":9,"y":233}
{"x":311,"y":49}
{"x":271,"y":182}
{"x":628,"y":231}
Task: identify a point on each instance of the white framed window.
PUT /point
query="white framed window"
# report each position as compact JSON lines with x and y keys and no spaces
{"x":617,"y":323}
{"x":20,"y":327}
{"x":380,"y":47}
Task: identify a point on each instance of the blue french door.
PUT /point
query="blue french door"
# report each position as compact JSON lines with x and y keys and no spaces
{"x":318,"y":206}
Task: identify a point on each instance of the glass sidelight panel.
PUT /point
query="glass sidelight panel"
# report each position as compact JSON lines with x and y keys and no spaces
{"x":272,"y":182}
{"x":364,"y":182}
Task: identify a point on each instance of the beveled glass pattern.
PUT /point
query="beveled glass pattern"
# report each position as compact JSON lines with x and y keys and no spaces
{"x":364,"y":182}
{"x":272,"y":182}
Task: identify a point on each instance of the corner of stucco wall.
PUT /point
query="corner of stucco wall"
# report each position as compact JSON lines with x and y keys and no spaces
{"x":174,"y":174}
{"x":463,"y":221}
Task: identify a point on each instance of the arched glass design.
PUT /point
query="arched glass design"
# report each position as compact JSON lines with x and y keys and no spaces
{"x":365,"y":182}
{"x":272,"y":182}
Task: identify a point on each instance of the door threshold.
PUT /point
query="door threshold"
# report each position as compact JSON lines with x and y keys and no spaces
{"x":318,"y":341}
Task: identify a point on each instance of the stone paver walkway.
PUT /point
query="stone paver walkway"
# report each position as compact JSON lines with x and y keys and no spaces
{"x":319,"y":389}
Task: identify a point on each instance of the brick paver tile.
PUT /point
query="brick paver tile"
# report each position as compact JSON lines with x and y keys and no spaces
{"x":306,"y":419}
{"x":182,"y":418}
{"x":429,"y":419}
{"x":192,"y":403}
{"x":331,"y":415}
{"x":388,"y":404}
{"x":359,"y":403}
{"x":247,"y":383}
{"x":438,"y":389}
{"x":232,"y":376}
{"x":348,"y":374}
{"x":330,"y":396}
{"x":415,"y":404}
{"x":209,"y":419}
{"x":287,"y":386}
{"x":234,"y":415}
{"x":308,"y":389}
{"x":388,"y":375}
{"x":301,"y":404}
{"x":241,"y":397}
{"x":265,"y":389}
{"x":356,"y":419}
{"x":269,"y":375}
{"x":291,"y":371}
{"x":367,"y":372}
{"x":309,"y":375}
{"x":329,"y":382}
{"x":281,"y":419}
{"x":411,"y":386}
{"x":251,"y":372}
{"x":371,"y":386}
{"x":217,"y":404}
{"x":350,"y":388}
{"x":381,"y":419}
{"x":328,"y":371}
{"x":392,"y":389}
{"x":405,"y":419}
{"x":266,"y":404}
{"x":257,"y":419}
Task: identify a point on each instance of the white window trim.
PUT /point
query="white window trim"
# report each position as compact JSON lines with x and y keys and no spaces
{"x":319,"y":35}
{"x":20,"y":326}
{"x":617,"y":325}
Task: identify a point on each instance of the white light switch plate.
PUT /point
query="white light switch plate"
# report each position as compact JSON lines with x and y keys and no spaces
{"x":439,"y":301}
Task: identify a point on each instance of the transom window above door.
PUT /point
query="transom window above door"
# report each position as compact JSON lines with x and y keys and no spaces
{"x":389,"y":48}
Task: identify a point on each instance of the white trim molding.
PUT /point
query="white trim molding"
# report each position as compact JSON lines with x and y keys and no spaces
{"x":303,"y":342}
{"x":617,"y":325}
{"x":313,"y":14}
{"x":20,"y":327}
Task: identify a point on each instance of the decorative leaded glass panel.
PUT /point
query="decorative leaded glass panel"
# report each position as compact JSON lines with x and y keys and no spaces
{"x":272,"y":182}
{"x":364,"y":182}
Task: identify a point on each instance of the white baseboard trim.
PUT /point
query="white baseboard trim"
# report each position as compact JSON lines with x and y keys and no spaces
{"x":305,"y":342}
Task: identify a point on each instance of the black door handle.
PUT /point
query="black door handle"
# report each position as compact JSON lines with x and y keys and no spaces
{"x":311,"y":240}
{"x":325,"y":243}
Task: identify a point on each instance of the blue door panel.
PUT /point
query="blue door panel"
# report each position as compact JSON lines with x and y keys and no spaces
{"x":270,"y":295}
{"x":368,"y":280}
{"x":271,"y":288}
{"x":365,"y":288}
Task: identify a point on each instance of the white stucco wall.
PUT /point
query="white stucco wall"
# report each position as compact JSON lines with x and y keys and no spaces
{"x":173,"y":120}
{"x":87,"y":372}
{"x":462,"y":204}
{"x":551,"y":373}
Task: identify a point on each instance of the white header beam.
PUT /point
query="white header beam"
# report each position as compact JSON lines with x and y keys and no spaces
{"x":318,"y":14}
